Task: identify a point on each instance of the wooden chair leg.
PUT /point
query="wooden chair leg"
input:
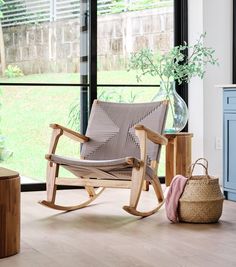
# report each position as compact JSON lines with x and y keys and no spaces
{"x":52,"y":173}
{"x":146,"y":186}
{"x":74,"y":207}
{"x":136,"y":188}
{"x":157,"y":188}
{"x":135,"y":195}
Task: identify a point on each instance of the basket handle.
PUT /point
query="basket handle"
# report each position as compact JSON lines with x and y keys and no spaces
{"x":205,"y":162}
{"x":205,"y":166}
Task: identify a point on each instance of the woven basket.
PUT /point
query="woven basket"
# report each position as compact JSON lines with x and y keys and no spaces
{"x":202,"y":199}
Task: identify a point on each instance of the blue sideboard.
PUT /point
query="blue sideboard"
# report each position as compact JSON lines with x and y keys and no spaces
{"x":229,"y":142}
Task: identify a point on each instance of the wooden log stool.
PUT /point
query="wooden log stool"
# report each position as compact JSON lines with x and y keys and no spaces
{"x":9,"y":213}
{"x":178,"y":155}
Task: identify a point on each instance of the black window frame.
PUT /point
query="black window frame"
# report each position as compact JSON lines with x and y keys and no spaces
{"x":88,"y":85}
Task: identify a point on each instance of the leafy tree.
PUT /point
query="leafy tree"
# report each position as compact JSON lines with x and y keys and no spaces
{"x":4,"y":153}
{"x":2,"y":47}
{"x":118,"y":6}
{"x":1,"y":4}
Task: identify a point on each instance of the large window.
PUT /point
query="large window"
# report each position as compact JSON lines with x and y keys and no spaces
{"x":125,"y":27}
{"x":44,"y":63}
{"x":59,"y":55}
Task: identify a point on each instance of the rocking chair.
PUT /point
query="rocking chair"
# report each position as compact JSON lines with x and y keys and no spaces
{"x":121,"y":149}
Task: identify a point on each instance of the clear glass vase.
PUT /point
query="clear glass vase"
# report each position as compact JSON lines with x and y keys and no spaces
{"x":177,"y":116}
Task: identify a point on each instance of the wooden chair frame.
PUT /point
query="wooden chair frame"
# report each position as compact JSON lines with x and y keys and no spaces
{"x":135,"y":184}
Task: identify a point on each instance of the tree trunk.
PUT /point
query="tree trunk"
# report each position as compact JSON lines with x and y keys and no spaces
{"x":2,"y":51}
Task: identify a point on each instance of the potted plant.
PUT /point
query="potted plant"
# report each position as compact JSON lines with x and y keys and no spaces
{"x":170,"y":68}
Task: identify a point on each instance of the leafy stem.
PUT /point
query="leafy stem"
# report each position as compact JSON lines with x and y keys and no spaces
{"x":174,"y":65}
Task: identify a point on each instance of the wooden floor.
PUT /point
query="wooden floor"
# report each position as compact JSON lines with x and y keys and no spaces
{"x":104,"y":235}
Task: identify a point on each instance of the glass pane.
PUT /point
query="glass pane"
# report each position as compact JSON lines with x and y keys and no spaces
{"x":128,"y":94}
{"x":126,"y":26}
{"x":41,"y":40}
{"x":26,"y":113}
{"x":132,"y":95}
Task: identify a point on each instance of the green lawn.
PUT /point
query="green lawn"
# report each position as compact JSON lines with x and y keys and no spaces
{"x":103,"y":77}
{"x":26,"y":113}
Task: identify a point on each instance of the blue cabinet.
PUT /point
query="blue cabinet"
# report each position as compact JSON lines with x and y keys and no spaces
{"x":229,"y":139}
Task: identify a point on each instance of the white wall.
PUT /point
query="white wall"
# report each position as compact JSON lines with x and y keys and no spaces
{"x":215,"y":18}
{"x":195,"y":9}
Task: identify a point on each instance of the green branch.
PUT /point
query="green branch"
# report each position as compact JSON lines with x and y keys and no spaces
{"x":174,"y":66}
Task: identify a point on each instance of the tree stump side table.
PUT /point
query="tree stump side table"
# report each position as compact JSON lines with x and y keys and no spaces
{"x":9,"y":212}
{"x":178,"y":155}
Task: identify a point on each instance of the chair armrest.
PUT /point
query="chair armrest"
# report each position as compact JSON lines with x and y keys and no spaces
{"x":152,"y":136}
{"x":70,"y":133}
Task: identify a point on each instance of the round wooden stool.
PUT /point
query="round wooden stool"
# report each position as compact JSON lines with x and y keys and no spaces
{"x":9,"y":213}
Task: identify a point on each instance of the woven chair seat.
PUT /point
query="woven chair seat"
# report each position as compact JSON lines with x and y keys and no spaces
{"x":119,"y":168}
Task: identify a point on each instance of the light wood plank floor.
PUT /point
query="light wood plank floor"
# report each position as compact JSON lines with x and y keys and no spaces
{"x":104,"y":235}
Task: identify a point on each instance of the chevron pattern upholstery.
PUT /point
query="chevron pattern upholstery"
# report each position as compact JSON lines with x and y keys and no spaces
{"x":111,"y":133}
{"x":111,"y":156}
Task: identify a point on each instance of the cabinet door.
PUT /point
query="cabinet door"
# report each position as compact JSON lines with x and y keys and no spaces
{"x":229,"y":100}
{"x":230,"y":151}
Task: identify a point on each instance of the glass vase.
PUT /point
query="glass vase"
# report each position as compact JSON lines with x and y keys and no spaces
{"x":177,"y":116}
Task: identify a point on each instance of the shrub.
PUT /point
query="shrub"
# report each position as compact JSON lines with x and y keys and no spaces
{"x":4,"y":153}
{"x":13,"y":71}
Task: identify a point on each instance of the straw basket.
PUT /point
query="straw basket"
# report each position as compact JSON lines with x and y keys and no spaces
{"x":202,"y":199}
